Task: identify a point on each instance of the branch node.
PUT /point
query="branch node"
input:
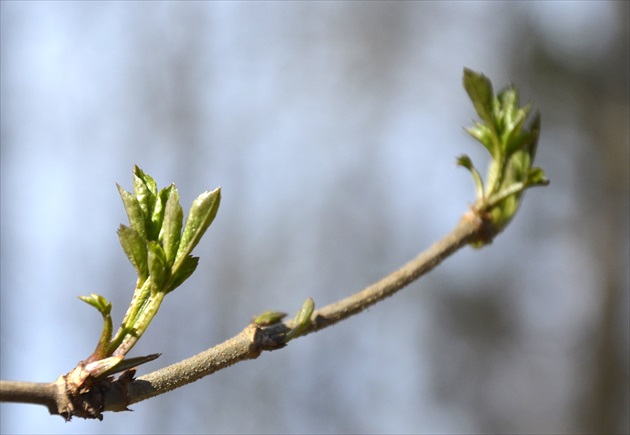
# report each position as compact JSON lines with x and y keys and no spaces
{"x":85,"y":395}
{"x":267,"y":338}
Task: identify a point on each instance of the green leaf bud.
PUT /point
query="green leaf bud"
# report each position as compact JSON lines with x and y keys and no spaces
{"x":269,"y":318}
{"x":302,"y":319}
{"x":99,"y":302}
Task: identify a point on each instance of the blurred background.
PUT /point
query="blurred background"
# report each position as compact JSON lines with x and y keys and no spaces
{"x":333,"y":130}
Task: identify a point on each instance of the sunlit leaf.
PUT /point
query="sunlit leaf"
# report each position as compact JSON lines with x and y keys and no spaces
{"x":134,"y":212}
{"x":99,"y":302}
{"x":172,"y":226}
{"x":145,"y":190}
{"x":187,"y":266}
{"x":201,"y":215}
{"x":479,"y":90}
{"x":105,"y":308}
{"x":158,"y":269}
{"x":135,"y":248}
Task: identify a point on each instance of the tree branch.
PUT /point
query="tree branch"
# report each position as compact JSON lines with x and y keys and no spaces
{"x":254,"y":339}
{"x":116,"y":395}
{"x":30,"y":392}
{"x":161,"y":255}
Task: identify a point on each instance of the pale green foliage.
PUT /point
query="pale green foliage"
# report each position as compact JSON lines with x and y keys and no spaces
{"x":160,"y":252}
{"x":511,"y":142}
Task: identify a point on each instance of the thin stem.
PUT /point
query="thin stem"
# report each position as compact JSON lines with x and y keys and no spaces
{"x":464,"y":233}
{"x":139,"y":299}
{"x":140,"y":323}
{"x":509,"y":191}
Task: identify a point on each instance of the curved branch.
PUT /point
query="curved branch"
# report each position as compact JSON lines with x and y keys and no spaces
{"x":467,"y":230}
{"x":254,"y":339}
{"x":116,"y":395}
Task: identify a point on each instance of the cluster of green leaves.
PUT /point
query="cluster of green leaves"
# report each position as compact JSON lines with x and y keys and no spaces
{"x":511,"y":141}
{"x":159,"y":247}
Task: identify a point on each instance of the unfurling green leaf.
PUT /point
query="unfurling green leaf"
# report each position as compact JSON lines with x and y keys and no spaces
{"x":465,"y":161}
{"x":158,"y":269}
{"x":479,"y":89}
{"x":172,"y":225}
{"x":135,"y":214}
{"x":186,"y":267}
{"x":157,"y":216}
{"x":145,"y":190}
{"x":105,"y":308}
{"x":485,"y":136}
{"x":135,"y":248}
{"x":201,"y":215}
{"x":99,"y":302}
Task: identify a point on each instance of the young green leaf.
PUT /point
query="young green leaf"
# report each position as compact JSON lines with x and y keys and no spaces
{"x":158,"y":269}
{"x":172,"y":226}
{"x":156,"y":218}
{"x":99,"y":302}
{"x":484,"y":135}
{"x":479,"y":88}
{"x":145,"y":189}
{"x":135,"y":248}
{"x":201,"y":215}
{"x":105,"y":308}
{"x":465,"y":161}
{"x":158,"y":250}
{"x":135,"y":214}
{"x":186,"y":267}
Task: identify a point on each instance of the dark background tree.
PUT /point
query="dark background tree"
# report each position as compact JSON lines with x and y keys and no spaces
{"x":332,"y":129}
